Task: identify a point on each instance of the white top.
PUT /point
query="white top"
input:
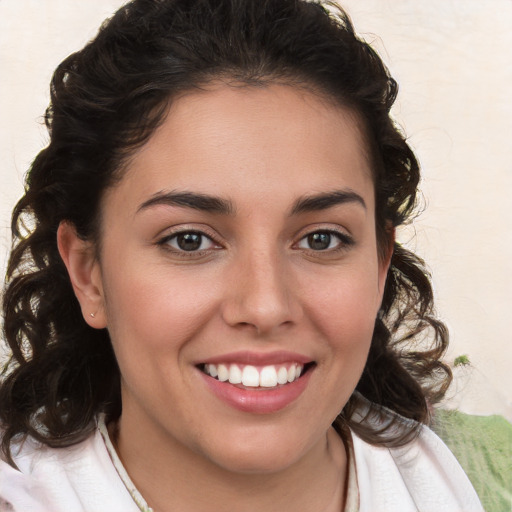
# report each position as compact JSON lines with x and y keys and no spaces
{"x":89,"y":477}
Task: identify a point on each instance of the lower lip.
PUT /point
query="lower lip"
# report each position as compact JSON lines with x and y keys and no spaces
{"x":258,"y":401}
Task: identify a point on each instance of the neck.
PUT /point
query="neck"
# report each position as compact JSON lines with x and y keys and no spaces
{"x":171,"y":477}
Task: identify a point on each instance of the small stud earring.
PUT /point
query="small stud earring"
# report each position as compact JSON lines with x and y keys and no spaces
{"x":92,"y":314}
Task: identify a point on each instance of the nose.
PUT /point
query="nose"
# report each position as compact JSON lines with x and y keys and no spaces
{"x":261,"y":295}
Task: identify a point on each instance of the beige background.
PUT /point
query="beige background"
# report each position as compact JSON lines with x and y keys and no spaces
{"x":452,"y":59}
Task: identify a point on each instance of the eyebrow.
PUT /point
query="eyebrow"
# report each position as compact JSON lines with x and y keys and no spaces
{"x":194,"y":200}
{"x":326,"y":200}
{"x":213,"y":204}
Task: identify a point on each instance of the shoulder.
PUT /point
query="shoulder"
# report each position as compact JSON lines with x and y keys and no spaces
{"x":77,"y":478}
{"x":421,"y":475}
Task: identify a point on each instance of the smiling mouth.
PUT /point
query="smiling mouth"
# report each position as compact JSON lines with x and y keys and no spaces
{"x":256,"y":377}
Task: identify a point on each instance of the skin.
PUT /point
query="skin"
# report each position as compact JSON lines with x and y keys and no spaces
{"x":257,"y":285}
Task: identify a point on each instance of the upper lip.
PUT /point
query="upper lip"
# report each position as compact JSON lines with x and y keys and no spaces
{"x":258,"y":358}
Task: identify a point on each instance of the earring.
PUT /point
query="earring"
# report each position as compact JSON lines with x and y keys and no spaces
{"x":92,"y":315}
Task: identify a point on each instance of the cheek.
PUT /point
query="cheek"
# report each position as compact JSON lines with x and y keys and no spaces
{"x":346,"y":318}
{"x":351,"y":302}
{"x":155,"y":311}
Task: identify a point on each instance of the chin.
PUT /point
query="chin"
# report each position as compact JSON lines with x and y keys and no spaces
{"x":261,"y":453}
{"x":252,"y":463}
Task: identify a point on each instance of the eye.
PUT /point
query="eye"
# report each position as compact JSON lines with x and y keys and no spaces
{"x":189,"y":241}
{"x":324,"y":241}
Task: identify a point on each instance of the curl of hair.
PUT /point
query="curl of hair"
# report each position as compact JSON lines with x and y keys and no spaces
{"x":106,"y":101}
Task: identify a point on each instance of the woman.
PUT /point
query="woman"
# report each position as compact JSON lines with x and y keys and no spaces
{"x":209,"y":310}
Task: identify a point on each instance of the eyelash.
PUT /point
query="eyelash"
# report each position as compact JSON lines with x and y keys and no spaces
{"x":345,"y":241}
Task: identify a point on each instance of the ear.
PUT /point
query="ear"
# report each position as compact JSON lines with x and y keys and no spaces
{"x":84,"y":273}
{"x":386,"y":255}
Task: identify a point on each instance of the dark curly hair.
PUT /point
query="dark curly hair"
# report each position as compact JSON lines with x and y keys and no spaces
{"x":106,"y":101}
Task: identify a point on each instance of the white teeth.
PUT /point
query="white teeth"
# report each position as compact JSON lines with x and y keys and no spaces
{"x":282,"y":375}
{"x":268,"y":377}
{"x":250,"y":376}
{"x":223,"y":373}
{"x":235,"y":374}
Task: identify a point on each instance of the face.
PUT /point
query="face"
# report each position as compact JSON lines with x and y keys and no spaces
{"x":239,"y":275}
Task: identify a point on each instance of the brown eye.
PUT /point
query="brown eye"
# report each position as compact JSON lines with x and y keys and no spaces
{"x":319,"y":241}
{"x":189,"y":241}
{"x":324,"y":241}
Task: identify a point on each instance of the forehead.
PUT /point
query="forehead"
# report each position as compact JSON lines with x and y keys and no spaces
{"x":246,"y":139}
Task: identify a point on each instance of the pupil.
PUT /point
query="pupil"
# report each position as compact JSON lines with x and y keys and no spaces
{"x":189,"y":241}
{"x":319,"y":241}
